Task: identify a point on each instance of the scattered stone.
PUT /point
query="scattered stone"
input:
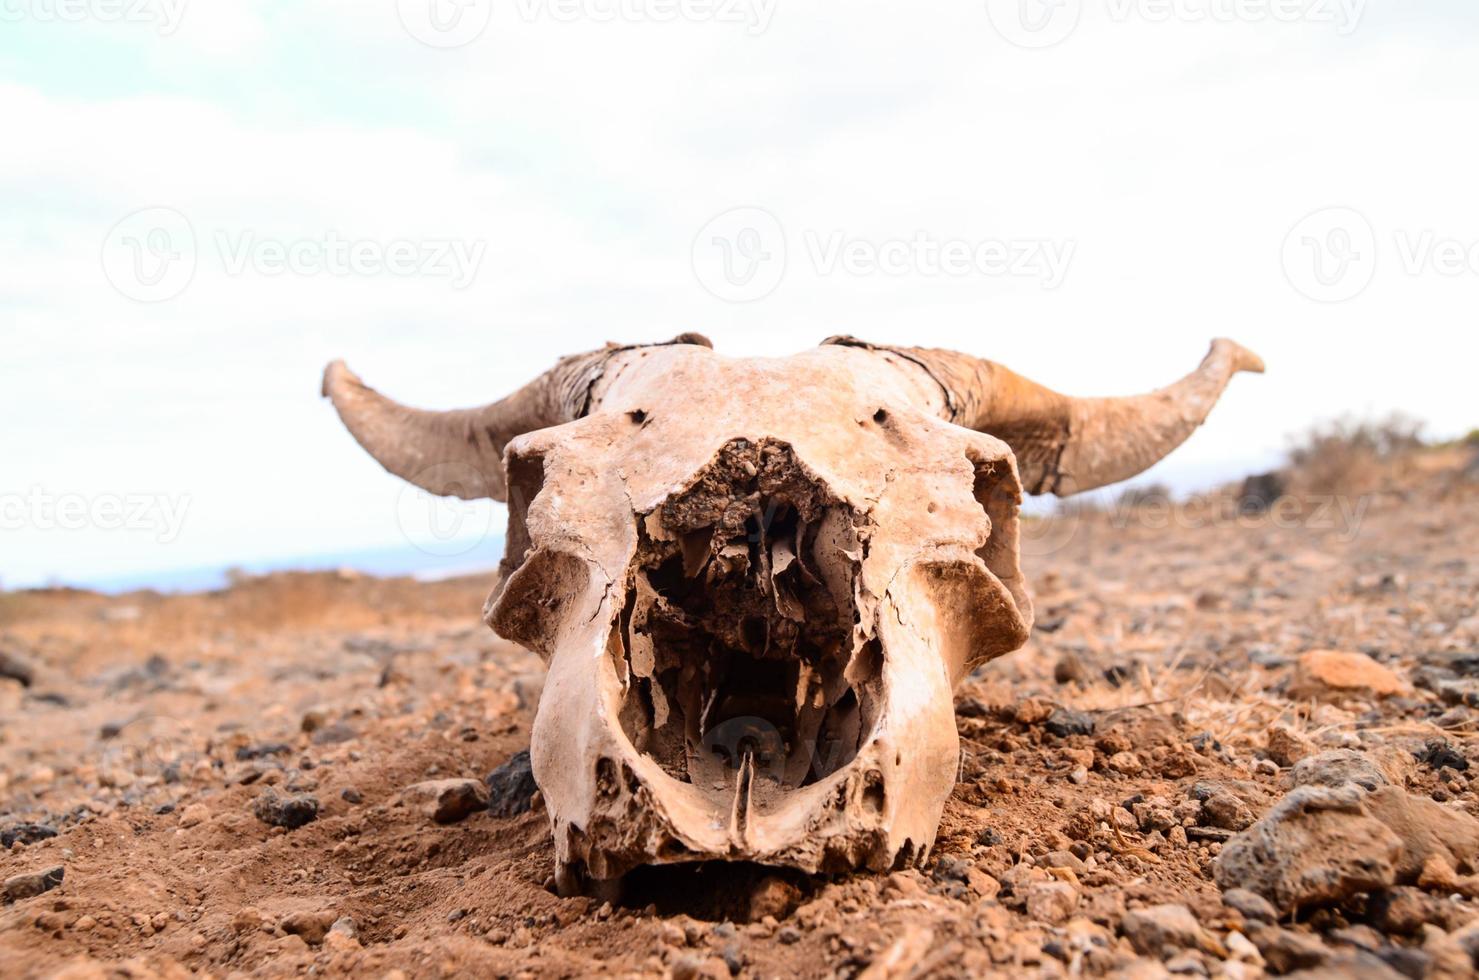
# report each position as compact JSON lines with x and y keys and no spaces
{"x":1413,"y":964}
{"x":313,"y":719}
{"x":447,"y":800}
{"x":1316,"y":845}
{"x":342,"y":935}
{"x":1062,"y":859}
{"x":262,"y":750}
{"x":312,"y":927}
{"x":246,"y":919}
{"x":1285,"y":951}
{"x":23,"y":886}
{"x":694,"y":966}
{"x":1405,"y":911}
{"x":194,"y":815}
{"x":951,"y":868}
{"x":1064,"y":722}
{"x":511,"y":787}
{"x":1030,"y":711}
{"x":290,"y":812}
{"x":1336,"y":768}
{"x":1225,"y":811}
{"x":1286,"y":747}
{"x":1360,"y":936}
{"x":1251,"y":905}
{"x":1126,"y":762}
{"x":25,"y":833}
{"x":773,"y":896}
{"x":1052,"y":902}
{"x":1426,"y":830}
{"x":1155,"y":929}
{"x":351,"y":795}
{"x":1240,"y":947}
{"x":1439,"y":754}
{"x":1069,"y":668}
{"x":1261,"y":491}
{"x":1334,"y":674}
{"x":16,"y":668}
{"x":1356,"y":965}
{"x":333,"y":734}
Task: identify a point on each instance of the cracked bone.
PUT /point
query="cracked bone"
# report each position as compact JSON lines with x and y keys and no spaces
{"x":756,"y":583}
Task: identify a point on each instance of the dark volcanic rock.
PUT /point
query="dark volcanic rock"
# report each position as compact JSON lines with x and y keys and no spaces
{"x":1064,"y":722}
{"x":511,"y":787}
{"x":1317,"y":845}
{"x":14,"y":667}
{"x":333,"y":734}
{"x":26,"y":833}
{"x":291,"y":812}
{"x":30,"y":885}
{"x":247,"y":752}
{"x":1438,"y":754}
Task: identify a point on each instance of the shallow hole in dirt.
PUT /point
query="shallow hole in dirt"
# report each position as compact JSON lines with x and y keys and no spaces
{"x":713,"y":891}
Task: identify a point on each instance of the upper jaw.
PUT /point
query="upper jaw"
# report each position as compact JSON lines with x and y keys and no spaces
{"x":616,"y":808}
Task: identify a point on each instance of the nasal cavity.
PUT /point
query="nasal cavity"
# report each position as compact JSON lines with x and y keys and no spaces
{"x":738,"y":637}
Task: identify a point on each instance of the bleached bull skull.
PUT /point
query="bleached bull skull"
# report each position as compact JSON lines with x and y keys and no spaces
{"x":756,"y":582}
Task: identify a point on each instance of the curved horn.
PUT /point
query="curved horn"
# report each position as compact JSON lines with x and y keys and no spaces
{"x":1067,"y":445}
{"x":457,"y":453}
{"x":460,"y":453}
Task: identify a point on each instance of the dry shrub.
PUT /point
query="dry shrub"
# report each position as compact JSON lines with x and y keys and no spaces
{"x":1145,"y":495}
{"x":1350,"y":455}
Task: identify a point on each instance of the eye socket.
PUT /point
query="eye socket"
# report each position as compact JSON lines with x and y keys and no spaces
{"x":880,"y":416}
{"x":531,"y":603}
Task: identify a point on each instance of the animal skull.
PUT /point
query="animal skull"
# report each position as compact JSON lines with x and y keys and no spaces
{"x":757,"y":582}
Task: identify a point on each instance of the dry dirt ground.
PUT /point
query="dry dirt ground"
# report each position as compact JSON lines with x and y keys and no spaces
{"x":1173,"y":680}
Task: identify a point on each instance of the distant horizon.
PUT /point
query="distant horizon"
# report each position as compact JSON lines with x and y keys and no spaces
{"x":435,"y":559}
{"x":199,"y":218}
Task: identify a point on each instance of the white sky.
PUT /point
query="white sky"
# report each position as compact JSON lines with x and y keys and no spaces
{"x":579,"y":159}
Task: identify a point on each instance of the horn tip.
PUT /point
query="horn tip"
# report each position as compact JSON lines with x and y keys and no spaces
{"x":1241,"y":357}
{"x":695,"y":339}
{"x":335,"y":376}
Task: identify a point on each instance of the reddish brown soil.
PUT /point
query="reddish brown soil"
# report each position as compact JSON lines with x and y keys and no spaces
{"x":1180,"y":642}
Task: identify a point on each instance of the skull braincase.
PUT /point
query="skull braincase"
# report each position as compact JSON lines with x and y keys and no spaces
{"x":757,"y":582}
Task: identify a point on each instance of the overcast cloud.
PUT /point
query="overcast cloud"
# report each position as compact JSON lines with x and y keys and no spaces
{"x":204,"y":203}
